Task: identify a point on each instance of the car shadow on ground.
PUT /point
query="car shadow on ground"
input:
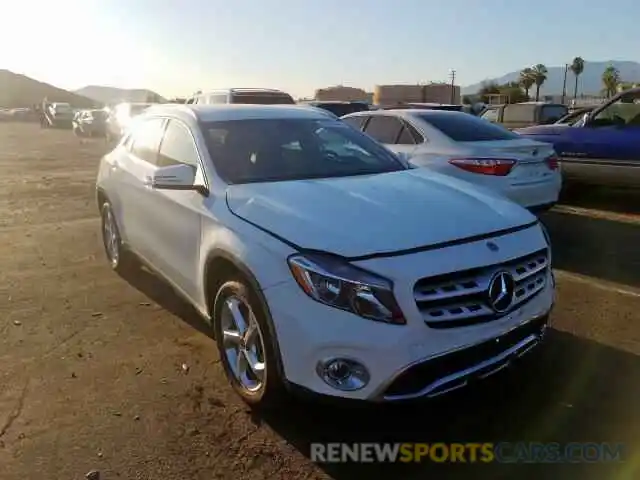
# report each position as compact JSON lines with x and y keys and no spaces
{"x":569,"y":390}
{"x":166,"y":296}
{"x":596,"y":247}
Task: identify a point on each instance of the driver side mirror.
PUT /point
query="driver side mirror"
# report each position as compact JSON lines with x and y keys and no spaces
{"x":177,"y":177}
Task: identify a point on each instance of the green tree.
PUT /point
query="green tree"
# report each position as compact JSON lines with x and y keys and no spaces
{"x":539,"y":77}
{"x":610,"y":80}
{"x":488,"y":89}
{"x":577,"y":67}
{"x":526,"y":80}
{"x":514,"y":92}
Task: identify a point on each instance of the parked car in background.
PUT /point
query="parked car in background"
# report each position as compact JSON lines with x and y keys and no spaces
{"x":252,"y":96}
{"x":427,"y":106}
{"x":519,"y":115}
{"x":121,"y":116}
{"x":339,"y":108}
{"x":92,"y":123}
{"x":601,"y":148}
{"x":57,"y":114}
{"x":321,"y":261}
{"x":470,"y":149}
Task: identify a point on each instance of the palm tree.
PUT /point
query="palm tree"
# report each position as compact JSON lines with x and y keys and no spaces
{"x":610,"y":80}
{"x":577,"y":67}
{"x":539,"y":76}
{"x":526,"y":80}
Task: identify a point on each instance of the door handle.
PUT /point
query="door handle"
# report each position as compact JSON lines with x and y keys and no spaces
{"x":115,"y":166}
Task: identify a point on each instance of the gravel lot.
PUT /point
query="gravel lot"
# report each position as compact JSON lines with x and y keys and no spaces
{"x":100,"y":373}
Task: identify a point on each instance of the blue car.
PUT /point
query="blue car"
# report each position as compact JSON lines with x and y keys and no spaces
{"x":603,"y":147}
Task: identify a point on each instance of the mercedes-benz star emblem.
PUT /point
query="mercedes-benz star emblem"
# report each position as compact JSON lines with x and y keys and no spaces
{"x":501,"y":290}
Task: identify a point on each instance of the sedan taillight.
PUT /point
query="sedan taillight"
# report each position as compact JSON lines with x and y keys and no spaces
{"x":499,"y":167}
{"x":552,"y":162}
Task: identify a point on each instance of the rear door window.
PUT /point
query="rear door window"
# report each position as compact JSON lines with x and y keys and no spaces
{"x":356,"y":122}
{"x":383,"y":128}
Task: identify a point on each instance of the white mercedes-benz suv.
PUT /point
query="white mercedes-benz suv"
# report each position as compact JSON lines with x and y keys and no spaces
{"x":320,"y":259}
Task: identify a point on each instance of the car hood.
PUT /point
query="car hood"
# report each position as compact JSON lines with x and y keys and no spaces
{"x":558,"y":129}
{"x":364,"y":215}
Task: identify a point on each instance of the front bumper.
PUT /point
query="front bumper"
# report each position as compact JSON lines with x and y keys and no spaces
{"x":453,"y":370}
{"x":403,"y":362}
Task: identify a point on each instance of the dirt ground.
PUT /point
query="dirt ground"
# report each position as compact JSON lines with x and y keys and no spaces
{"x":120,"y":376}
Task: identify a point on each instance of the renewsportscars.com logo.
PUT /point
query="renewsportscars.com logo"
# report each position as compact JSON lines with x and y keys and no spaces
{"x":502,"y":452}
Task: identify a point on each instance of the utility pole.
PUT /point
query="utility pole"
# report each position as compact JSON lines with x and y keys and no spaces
{"x":452,"y":76}
{"x":564,"y":83}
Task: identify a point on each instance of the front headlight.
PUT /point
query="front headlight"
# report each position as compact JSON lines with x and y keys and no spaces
{"x":338,"y":284}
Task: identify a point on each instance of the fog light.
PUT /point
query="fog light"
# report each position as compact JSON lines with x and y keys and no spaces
{"x":343,"y":374}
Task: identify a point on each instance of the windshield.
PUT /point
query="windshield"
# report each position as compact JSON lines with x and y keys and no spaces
{"x":246,"y":151}
{"x":462,"y":127}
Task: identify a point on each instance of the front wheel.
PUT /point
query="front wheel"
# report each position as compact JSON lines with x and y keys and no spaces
{"x":247,"y":350}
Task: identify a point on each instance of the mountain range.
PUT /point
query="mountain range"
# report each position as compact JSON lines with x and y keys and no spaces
{"x":17,"y":90}
{"x":112,"y":95}
{"x":589,"y":82}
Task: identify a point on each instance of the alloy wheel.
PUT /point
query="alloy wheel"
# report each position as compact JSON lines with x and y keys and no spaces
{"x":243,"y":344}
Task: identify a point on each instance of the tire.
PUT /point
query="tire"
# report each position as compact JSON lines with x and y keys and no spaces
{"x":263,"y":390}
{"x":118,"y":257}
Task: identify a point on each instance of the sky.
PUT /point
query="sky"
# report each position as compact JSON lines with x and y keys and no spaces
{"x":176,"y":47}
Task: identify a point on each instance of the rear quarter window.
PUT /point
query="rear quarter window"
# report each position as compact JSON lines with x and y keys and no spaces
{"x":356,"y":122}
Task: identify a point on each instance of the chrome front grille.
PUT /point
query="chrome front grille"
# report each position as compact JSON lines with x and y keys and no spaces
{"x":461,"y":298}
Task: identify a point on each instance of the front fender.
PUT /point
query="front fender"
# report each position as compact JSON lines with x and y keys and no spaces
{"x":255,"y":252}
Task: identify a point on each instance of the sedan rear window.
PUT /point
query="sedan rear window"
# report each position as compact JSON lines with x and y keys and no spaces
{"x":462,"y":127}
